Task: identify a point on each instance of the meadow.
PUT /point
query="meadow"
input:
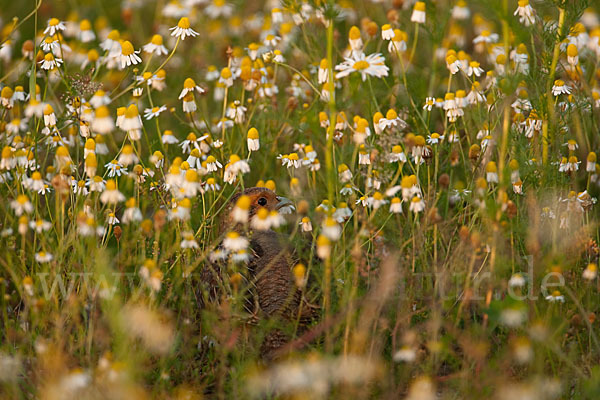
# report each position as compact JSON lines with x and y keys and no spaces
{"x":434,"y":164}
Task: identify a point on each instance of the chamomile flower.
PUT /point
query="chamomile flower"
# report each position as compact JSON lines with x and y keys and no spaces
{"x":344,"y":173}
{"x":253,"y":142}
{"x":189,"y":103}
{"x":43,"y":257}
{"x":491,"y":172}
{"x":555,"y":297}
{"x":131,"y":119}
{"x":49,"y":116}
{"x":516,"y":280}
{"x":396,"y":206}
{"x":218,"y":8}
{"x":54,"y":26}
{"x":261,"y":220}
{"x":237,"y":112}
{"x":33,"y":108}
{"x":51,"y":45}
{"x":453,"y":64}
{"x":398,"y":42}
{"x":127,"y":156}
{"x":474,"y":69}
{"x":323,"y":72}
{"x":331,"y":229}
{"x":371,"y":65}
{"x":212,"y":164}
{"x":525,"y":12}
{"x":417,"y":205}
{"x":226,"y":78}
{"x":418,"y":14}
{"x":486,"y":37}
{"x":191,"y":185}
{"x":115,"y":169}
{"x":241,"y":210}
{"x":278,"y":57}
{"x":192,"y":141}
{"x":429,"y":103}
{"x":355,"y":40}
{"x":154,"y":112}
{"x":183,"y":29}
{"x":155,"y":46}
{"x":235,"y":242}
{"x":128,"y":56}
{"x":169,"y":138}
{"x":453,"y":110}
{"x":21,"y":205}
{"x":189,"y":85}
{"x":376,"y":201}
{"x":188,"y":242}
{"x":305,"y":224}
{"x":50,"y":62}
{"x":323,"y":247}
{"x":435,"y":138}
{"x":461,"y":11}
{"x":99,"y":99}
{"x":590,"y":272}
{"x":391,"y":120}
{"x":111,"y":219}
{"x":591,"y":162}
{"x":211,"y":185}
{"x":560,"y":87}
{"x":86,"y":34}
{"x":409,"y":187}
{"x":397,"y":155}
{"x":79,"y":187}
{"x":111,"y":195}
{"x":35,"y":182}
{"x":19,"y":94}
{"x":237,"y":165}
{"x":158,"y":159}
{"x":387,"y":33}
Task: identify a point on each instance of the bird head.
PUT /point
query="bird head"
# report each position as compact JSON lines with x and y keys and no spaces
{"x":259,"y":197}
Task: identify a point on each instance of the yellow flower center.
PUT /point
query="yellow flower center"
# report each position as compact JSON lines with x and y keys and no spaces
{"x":252,"y":133}
{"x":114,"y":35}
{"x":157,"y":40}
{"x":225,"y":73}
{"x":85,"y":25}
{"x":360,"y":65}
{"x":354,"y":33}
{"x":132,"y":111}
{"x":184,"y":23}
{"x":126,"y":48}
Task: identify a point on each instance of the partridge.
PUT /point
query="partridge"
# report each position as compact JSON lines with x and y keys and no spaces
{"x":269,"y":269}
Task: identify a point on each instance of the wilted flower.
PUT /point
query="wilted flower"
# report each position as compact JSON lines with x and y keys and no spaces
{"x":418,"y":14}
{"x":525,"y":12}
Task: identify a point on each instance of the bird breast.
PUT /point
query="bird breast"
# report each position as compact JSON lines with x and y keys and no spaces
{"x":272,"y":273}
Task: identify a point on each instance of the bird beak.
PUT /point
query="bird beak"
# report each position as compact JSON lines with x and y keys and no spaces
{"x":285,"y":205}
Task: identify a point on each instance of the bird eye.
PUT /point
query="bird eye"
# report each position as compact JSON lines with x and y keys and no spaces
{"x":262,"y":201}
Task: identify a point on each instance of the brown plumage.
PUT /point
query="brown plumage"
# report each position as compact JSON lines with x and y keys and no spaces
{"x":269,"y":270}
